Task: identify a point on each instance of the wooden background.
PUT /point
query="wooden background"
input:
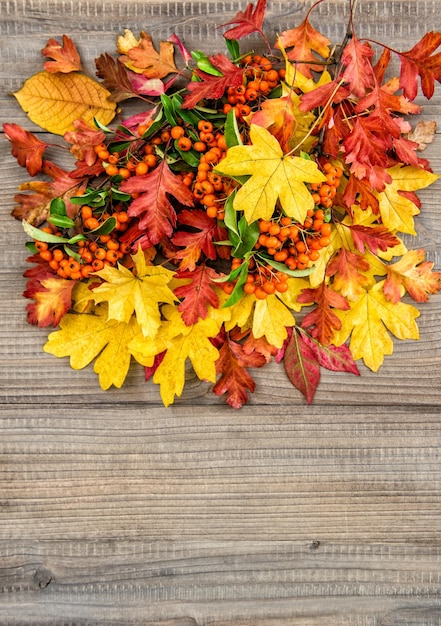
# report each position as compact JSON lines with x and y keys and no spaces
{"x":114,"y":510}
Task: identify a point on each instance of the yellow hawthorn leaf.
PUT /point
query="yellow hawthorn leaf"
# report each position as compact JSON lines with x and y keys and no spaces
{"x":240,"y":313}
{"x":397,"y":211}
{"x":142,"y":294}
{"x":126,"y":42}
{"x":55,"y":101}
{"x":273,"y":176}
{"x":84,"y":336}
{"x":317,"y":275}
{"x":181,"y":342}
{"x":82,"y":297}
{"x":289,"y":298}
{"x":270,"y":319}
{"x":367,"y":322}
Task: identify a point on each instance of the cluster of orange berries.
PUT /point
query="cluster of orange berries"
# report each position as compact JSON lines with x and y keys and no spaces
{"x":259,"y":79}
{"x":90,"y":255}
{"x":115,"y":164}
{"x":262,"y":280}
{"x":324,"y":193}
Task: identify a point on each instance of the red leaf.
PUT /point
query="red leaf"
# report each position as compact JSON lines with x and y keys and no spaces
{"x":358,"y":71}
{"x":235,"y":381}
{"x":84,"y":139}
{"x":419,"y":62}
{"x":248,"y":21}
{"x":302,"y":366}
{"x":115,"y":78}
{"x":26,"y":148}
{"x":196,"y":241}
{"x":197,"y":294}
{"x":322,"y":319}
{"x":213,"y":87}
{"x":346,"y":267}
{"x":157,"y":216}
{"x":334,"y":358}
{"x":372,"y":237}
{"x":149,"y":371}
{"x":65,"y":55}
{"x":53,"y":298}
{"x":360,"y":191}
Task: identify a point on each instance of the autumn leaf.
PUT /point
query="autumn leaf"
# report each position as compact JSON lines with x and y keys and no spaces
{"x":84,"y":140}
{"x":271,"y":318}
{"x":346,"y":267}
{"x":323,"y":319}
{"x":180,"y":342}
{"x":373,"y":237}
{"x":235,"y":380}
{"x":304,"y":41}
{"x":420,"y":61}
{"x":415,"y":275}
{"x":142,"y":293}
{"x":273,"y":176}
{"x":396,"y":210}
{"x":156,"y":214}
{"x":54,"y":101}
{"x":115,"y":78}
{"x":144,"y":59}
{"x":358,"y":72}
{"x":367,"y":323}
{"x":200,"y":240}
{"x":197,"y":293}
{"x":423,"y":134}
{"x":53,"y":298}
{"x":65,"y":55}
{"x":213,"y":87}
{"x":84,"y":337}
{"x":248,"y":22}
{"x":26,"y":148}
{"x":301,"y":365}
{"x":334,"y":358}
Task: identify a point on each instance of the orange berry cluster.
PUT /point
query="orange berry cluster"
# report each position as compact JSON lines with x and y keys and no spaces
{"x":262,"y":280}
{"x":259,"y":79}
{"x":324,"y":193}
{"x":116,"y":164}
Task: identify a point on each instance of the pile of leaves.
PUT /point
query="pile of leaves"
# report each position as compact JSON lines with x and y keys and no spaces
{"x":248,"y":187}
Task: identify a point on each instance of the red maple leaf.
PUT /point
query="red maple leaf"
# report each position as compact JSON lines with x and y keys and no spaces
{"x":53,"y":298}
{"x":304,"y":41}
{"x":213,"y":87}
{"x":157,"y":216}
{"x":197,"y":294}
{"x":322,"y":319}
{"x":235,"y":380}
{"x":248,"y":22}
{"x":419,"y":61}
{"x":200,"y":239}
{"x":26,"y":148}
{"x":373,"y":237}
{"x":65,"y":55}
{"x":366,"y":147}
{"x":301,"y":365}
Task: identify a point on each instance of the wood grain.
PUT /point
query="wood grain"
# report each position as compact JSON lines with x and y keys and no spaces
{"x":114,"y":510}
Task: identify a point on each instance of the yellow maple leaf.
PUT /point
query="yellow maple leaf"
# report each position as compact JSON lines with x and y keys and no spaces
{"x":142,"y":293}
{"x":55,"y":101}
{"x":85,"y":336}
{"x":367,"y":323}
{"x":181,"y":342}
{"x":397,"y":211}
{"x":273,"y":176}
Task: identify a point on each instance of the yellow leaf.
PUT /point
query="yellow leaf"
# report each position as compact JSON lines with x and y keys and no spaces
{"x":181,"y":342}
{"x":367,"y":322}
{"x":271,"y":317}
{"x":83,"y":337}
{"x":240,"y":313}
{"x":142,"y":294}
{"x":289,"y":298}
{"x":274,"y":176}
{"x":55,"y":101}
{"x":397,"y":211}
{"x":317,"y":275}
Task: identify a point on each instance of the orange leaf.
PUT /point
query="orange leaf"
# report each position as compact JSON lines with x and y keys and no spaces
{"x":65,"y":55}
{"x":148,"y":61}
{"x":415,"y":275}
{"x":26,"y":148}
{"x":305,"y":40}
{"x":53,"y":298}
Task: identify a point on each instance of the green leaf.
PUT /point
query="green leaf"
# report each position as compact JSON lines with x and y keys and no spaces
{"x":62,"y":221}
{"x":98,"y":124}
{"x":232,"y":134}
{"x":120,"y":195}
{"x":281,"y":267}
{"x":105,"y":228}
{"x":73,"y":254}
{"x":233,"y":48}
{"x":40,"y":235}
{"x":169,"y":111}
{"x":230,"y":218}
{"x":204,"y":64}
{"x":189,"y":156}
{"x":57,"y":207}
{"x":248,"y":234}
{"x":238,"y":289}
